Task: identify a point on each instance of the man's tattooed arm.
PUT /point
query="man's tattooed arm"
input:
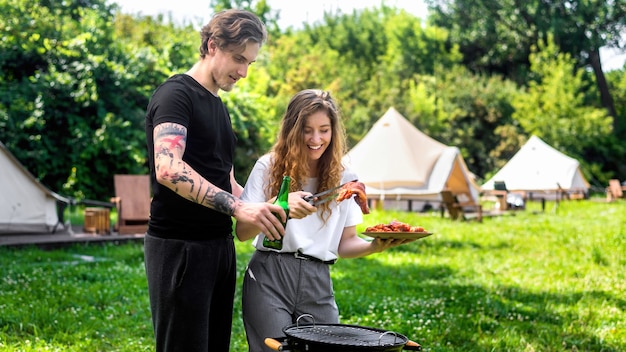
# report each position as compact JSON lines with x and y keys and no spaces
{"x":170,"y":140}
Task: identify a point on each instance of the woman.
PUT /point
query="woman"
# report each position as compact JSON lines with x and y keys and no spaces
{"x":280,"y":286}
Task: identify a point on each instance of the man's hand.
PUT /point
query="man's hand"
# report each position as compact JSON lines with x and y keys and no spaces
{"x":261,"y":216}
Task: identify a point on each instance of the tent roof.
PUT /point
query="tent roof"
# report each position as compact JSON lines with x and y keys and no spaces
{"x":539,"y":167}
{"x":396,"y":158}
{"x":26,"y":205}
{"x":395,"y":153}
{"x":22,"y":171}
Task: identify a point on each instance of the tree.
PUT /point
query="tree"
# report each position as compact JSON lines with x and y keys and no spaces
{"x":366,"y":59}
{"x":614,"y":156}
{"x":496,"y":35}
{"x":472,"y":112}
{"x":553,"y":107}
{"x":260,"y":7}
{"x":72,"y":99}
{"x":255,"y":119}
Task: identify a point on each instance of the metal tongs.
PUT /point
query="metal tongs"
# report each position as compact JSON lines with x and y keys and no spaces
{"x":323,"y":197}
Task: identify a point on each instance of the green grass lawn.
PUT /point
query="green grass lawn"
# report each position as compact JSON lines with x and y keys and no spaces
{"x":552,"y":281}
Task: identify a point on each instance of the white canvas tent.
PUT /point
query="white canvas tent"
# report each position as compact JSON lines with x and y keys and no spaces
{"x":396,"y":161}
{"x":26,"y":206}
{"x":540,"y":171}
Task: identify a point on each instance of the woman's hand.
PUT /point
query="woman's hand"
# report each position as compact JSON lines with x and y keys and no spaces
{"x":298,"y":207}
{"x":353,"y":246}
{"x":379,"y":244}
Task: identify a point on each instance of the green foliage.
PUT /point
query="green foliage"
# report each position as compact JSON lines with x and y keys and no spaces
{"x":614,"y":166}
{"x":498,"y":37}
{"x":493,"y":36}
{"x":63,"y":114}
{"x":254,"y":121}
{"x":259,"y":7}
{"x":462,"y":109}
{"x":412,"y":48}
{"x":533,"y":281}
{"x":553,"y":106}
{"x":76,"y":77}
{"x":367,"y":59}
{"x":617,"y":81}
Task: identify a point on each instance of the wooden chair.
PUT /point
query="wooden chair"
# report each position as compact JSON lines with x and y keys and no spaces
{"x":132,"y":201}
{"x":464,"y":209}
{"x":615,"y":190}
{"x":500,"y":192}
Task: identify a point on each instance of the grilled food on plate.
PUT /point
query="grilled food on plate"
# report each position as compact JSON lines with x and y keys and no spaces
{"x":395,"y":226}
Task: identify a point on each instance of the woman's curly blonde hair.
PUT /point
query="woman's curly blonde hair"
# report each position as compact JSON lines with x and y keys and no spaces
{"x":290,"y":155}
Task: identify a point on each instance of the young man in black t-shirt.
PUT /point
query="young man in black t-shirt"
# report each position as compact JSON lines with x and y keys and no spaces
{"x":189,"y":249}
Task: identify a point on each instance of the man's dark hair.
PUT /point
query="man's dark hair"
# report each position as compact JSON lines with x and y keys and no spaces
{"x":232,"y":29}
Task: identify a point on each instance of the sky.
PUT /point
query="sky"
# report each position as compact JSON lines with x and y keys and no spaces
{"x":295,"y":13}
{"x":292,"y":13}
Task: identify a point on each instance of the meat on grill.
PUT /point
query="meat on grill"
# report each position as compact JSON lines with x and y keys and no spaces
{"x":357,"y":189}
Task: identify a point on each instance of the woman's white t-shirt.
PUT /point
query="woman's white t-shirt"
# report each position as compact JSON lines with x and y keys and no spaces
{"x":309,"y":235}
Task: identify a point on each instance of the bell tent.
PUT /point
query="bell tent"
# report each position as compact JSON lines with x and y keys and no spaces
{"x":396,"y":161}
{"x":26,"y":205}
{"x":540,"y":171}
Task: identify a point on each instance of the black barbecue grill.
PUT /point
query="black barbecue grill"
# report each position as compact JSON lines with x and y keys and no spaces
{"x":346,"y":335}
{"x":340,"y":337}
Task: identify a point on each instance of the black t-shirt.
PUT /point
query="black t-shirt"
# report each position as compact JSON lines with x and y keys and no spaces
{"x":209,"y":151}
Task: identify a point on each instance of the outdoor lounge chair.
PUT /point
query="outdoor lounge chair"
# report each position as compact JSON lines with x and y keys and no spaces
{"x":460,"y":207}
{"x":505,"y":199}
{"x":615,"y":190}
{"x":132,"y":201}
{"x":501,"y":193}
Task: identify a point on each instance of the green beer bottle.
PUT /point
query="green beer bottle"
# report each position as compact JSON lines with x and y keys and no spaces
{"x":282,"y":199}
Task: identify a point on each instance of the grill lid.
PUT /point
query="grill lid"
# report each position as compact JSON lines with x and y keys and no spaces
{"x":345,"y":335}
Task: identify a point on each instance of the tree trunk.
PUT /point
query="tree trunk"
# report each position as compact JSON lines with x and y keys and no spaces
{"x":605,"y":94}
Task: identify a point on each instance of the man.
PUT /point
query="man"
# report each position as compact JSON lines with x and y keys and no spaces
{"x":189,"y":248}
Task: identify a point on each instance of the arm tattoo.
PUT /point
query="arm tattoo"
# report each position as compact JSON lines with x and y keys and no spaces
{"x":176,"y":132}
{"x":224,"y":202}
{"x":219,"y":200}
{"x":174,"y":142}
{"x":170,"y":137}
